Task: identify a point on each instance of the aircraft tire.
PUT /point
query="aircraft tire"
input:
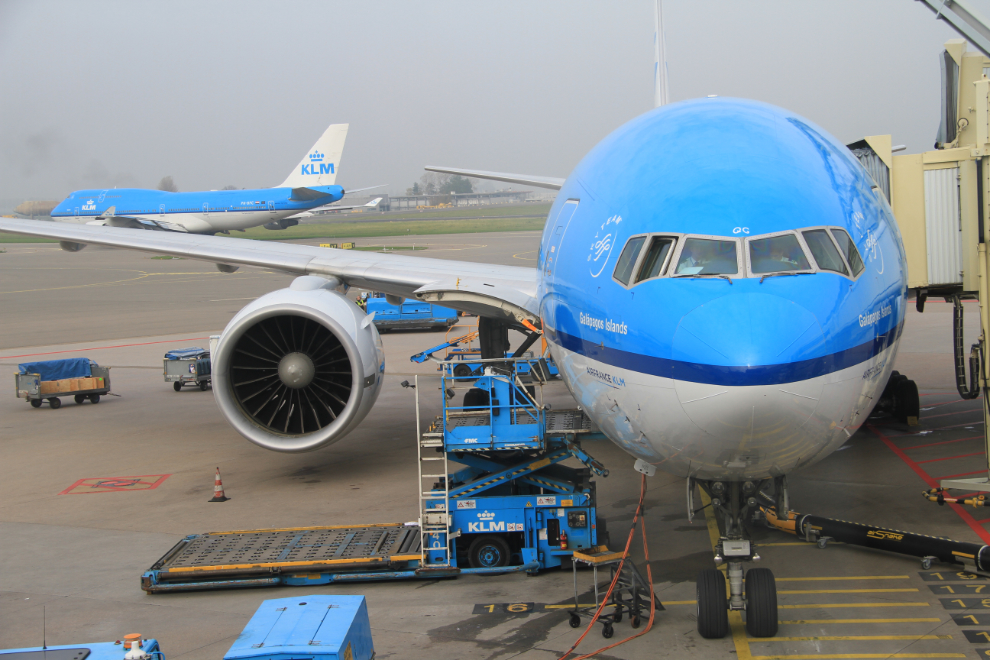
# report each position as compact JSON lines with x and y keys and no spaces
{"x":761,"y":603}
{"x":713,"y":610}
{"x":476,"y":397}
{"x":908,"y":400}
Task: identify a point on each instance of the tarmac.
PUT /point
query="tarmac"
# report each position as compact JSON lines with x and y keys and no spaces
{"x":91,"y":496}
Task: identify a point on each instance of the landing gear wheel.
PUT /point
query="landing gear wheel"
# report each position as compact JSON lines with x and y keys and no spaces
{"x":608,"y":631}
{"x":761,"y":603}
{"x":488,"y":552}
{"x":79,"y":398}
{"x":176,"y":386}
{"x":94,"y":398}
{"x":713,"y":611}
{"x":55,"y":403}
{"x":908,"y":403}
{"x":574,"y":621}
{"x":476,"y":398}
{"x":202,"y":386}
{"x":634,"y":621}
{"x":462,"y":371}
{"x":35,"y":403}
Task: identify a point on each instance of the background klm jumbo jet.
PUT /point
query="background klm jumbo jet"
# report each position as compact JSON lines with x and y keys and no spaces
{"x":309,"y":185}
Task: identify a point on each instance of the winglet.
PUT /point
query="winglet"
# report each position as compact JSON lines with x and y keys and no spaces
{"x":550,"y":182}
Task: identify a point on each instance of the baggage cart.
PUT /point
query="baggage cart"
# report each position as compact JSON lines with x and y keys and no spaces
{"x":80,"y":378}
{"x":187,"y":366}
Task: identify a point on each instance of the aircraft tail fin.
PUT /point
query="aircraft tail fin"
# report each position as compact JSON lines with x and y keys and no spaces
{"x":320,"y":164}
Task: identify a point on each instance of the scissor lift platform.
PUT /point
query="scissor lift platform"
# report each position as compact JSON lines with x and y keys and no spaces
{"x":297,"y":555}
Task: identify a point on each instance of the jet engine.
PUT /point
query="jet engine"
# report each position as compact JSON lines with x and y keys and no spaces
{"x":298,"y":368}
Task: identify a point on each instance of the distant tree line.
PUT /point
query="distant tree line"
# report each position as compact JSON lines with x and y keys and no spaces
{"x":436,"y":183}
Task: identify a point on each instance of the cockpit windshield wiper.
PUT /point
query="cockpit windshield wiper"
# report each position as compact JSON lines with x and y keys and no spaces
{"x":782,"y":273}
{"x":705,"y":275}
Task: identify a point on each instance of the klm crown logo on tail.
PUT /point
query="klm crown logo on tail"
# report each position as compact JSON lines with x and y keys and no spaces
{"x":319,"y":165}
{"x":316,"y":158}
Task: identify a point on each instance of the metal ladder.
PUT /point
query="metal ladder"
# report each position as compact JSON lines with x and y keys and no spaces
{"x":434,"y":522}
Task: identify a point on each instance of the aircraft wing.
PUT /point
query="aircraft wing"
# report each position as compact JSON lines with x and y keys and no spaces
{"x":550,"y":182}
{"x":489,"y":290}
{"x":333,"y":207}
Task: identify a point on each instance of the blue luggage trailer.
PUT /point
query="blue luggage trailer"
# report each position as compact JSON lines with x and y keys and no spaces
{"x":494,"y":497}
{"x":191,"y":366}
{"x":314,"y":627}
{"x":409,"y":315}
{"x":80,"y":378}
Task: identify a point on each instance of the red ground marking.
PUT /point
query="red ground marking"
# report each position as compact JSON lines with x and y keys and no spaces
{"x":949,"y":458}
{"x":944,"y":442}
{"x":932,"y":483}
{"x":945,"y":403}
{"x":91,"y":485}
{"x":940,"y":428}
{"x":962,"y":474}
{"x":983,"y":522}
{"x":100,"y":348}
{"x":958,"y":412}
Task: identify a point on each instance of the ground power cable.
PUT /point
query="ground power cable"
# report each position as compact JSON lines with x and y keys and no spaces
{"x":649,"y":572}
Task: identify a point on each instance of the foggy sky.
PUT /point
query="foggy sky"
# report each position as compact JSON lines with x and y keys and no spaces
{"x":101,"y":94}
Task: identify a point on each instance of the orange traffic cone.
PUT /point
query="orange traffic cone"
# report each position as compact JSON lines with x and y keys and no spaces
{"x":218,"y":495}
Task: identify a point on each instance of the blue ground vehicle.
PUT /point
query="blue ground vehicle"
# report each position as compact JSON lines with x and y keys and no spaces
{"x":507,"y":505}
{"x":408,"y":315}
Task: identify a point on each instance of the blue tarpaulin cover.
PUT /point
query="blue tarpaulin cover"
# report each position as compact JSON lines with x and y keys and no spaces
{"x":184,"y":353}
{"x":58,"y":369}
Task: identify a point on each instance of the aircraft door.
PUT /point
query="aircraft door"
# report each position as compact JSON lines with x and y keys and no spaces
{"x":206,"y":208}
{"x":271,"y":207}
{"x":77,"y":210}
{"x":161,"y":209}
{"x":551,"y":253}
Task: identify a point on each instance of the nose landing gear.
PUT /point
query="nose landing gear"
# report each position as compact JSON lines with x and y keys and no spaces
{"x":756,"y":593}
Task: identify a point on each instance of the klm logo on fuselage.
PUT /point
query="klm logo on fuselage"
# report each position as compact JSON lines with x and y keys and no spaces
{"x":89,"y":206}
{"x":316,"y":159}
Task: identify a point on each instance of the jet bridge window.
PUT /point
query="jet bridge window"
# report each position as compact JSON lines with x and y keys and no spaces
{"x":702,"y":256}
{"x":824,"y":251}
{"x":630,"y":253}
{"x":849,"y":251}
{"x":777,"y":254}
{"x":655,"y":261}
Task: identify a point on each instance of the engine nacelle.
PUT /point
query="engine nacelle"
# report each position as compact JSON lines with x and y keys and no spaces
{"x":298,"y":368}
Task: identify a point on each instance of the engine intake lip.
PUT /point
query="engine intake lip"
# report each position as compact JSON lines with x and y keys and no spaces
{"x":237,"y":412}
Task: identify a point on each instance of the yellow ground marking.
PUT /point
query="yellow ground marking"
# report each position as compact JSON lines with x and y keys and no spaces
{"x":849,"y":638}
{"x":857,"y":577}
{"x":851,"y":656}
{"x":834,"y":605}
{"x":518,"y":255}
{"x":827,"y":621}
{"x":844,"y":591}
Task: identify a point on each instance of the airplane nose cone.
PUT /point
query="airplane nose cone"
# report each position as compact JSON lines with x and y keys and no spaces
{"x":746,"y":372}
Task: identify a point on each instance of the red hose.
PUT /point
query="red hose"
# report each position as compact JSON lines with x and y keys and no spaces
{"x":646,"y":551}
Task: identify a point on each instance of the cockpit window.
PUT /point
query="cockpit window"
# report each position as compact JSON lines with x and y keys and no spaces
{"x":656,"y":258}
{"x":848,"y":249}
{"x":702,"y":256}
{"x":777,"y":254}
{"x":824,"y":251}
{"x":624,"y":267}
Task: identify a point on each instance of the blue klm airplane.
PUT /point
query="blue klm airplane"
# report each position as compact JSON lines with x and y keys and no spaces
{"x":309,"y":185}
{"x":729,"y":314}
